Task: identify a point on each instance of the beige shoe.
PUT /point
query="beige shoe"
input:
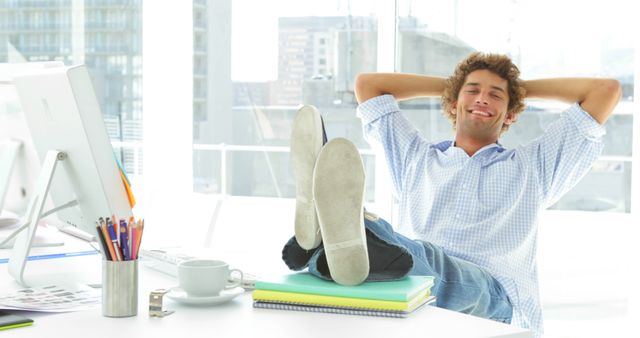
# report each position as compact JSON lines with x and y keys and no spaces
{"x":306,"y":141}
{"x":338,"y":190}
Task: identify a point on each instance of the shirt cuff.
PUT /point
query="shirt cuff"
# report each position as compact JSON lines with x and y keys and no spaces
{"x":377,"y":107}
{"x":585,"y":123}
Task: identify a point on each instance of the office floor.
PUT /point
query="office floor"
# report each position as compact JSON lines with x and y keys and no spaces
{"x":584,"y":260}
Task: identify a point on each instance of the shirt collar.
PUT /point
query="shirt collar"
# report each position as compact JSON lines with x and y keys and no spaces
{"x":496,"y":144}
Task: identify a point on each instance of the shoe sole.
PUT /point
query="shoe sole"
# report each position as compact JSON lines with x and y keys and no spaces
{"x":338,"y":190}
{"x":306,"y":142}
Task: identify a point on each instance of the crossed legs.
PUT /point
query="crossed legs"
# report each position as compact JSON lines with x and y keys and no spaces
{"x":336,"y":239}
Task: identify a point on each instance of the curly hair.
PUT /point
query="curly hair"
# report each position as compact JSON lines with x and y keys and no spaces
{"x":502,"y":66}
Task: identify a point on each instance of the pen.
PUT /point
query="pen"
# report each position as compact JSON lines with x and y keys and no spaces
{"x":124,"y":240}
{"x":103,"y":243}
{"x":116,"y":229}
{"x":129,"y":237}
{"x":114,"y":239}
{"x":139,"y":239}
{"x":134,"y":240}
{"x":107,"y":239}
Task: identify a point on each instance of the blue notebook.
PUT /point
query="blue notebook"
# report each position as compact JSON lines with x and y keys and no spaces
{"x":400,"y":290}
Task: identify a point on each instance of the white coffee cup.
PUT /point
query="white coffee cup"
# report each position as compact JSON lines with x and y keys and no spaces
{"x":205,"y":277}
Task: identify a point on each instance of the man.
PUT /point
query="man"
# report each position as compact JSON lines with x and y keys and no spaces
{"x":472,"y":204}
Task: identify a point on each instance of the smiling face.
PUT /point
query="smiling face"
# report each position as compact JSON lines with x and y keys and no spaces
{"x":481,"y":106}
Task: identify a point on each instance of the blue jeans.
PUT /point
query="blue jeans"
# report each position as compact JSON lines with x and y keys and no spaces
{"x":459,"y":285}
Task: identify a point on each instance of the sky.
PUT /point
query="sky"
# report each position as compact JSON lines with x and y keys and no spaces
{"x":567,"y":34}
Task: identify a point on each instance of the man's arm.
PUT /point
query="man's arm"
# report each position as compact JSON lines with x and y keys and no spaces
{"x":401,"y":86}
{"x":598,"y":97}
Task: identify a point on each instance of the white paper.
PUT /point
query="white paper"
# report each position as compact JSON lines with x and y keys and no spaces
{"x":52,"y":298}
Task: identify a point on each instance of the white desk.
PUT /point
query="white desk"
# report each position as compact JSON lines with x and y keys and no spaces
{"x":236,"y":318}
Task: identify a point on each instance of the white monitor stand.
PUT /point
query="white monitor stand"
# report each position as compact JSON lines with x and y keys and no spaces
{"x":8,"y":161}
{"x":22,"y":246}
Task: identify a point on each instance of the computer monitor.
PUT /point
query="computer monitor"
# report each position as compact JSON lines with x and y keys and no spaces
{"x":19,"y":163}
{"x":68,"y":131}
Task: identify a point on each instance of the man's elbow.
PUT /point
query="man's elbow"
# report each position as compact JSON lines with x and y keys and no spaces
{"x":603,"y":99}
{"x":364,"y":88}
{"x":612,"y":89}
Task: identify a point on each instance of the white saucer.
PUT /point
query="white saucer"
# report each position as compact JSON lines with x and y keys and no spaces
{"x":180,"y":296}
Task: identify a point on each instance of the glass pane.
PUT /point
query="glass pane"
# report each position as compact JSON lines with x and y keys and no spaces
{"x":607,"y":187}
{"x":303,"y":52}
{"x":433,"y":37}
{"x":259,"y":174}
{"x":130,"y":157}
{"x":108,"y":41}
{"x":207,"y":171}
{"x":270,"y":174}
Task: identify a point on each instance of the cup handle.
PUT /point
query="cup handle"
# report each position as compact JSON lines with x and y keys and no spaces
{"x":236,"y":284}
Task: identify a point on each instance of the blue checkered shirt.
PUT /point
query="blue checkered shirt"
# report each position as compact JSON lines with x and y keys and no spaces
{"x":484,"y":208}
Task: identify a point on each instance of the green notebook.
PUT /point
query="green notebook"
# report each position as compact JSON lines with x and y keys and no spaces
{"x":400,"y":290}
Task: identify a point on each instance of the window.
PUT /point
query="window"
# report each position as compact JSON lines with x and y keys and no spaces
{"x":434,"y":44}
{"x":309,"y":53}
{"x":44,"y":31}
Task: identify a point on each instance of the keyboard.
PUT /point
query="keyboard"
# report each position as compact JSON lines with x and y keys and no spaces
{"x":164,"y":260}
{"x":167,"y":260}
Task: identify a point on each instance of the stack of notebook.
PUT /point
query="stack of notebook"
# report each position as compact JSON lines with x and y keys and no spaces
{"x":305,"y":292}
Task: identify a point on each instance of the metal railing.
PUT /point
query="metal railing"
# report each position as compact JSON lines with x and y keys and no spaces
{"x":224,"y":150}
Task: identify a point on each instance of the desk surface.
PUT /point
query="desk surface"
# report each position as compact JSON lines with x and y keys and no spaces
{"x":237,"y":317}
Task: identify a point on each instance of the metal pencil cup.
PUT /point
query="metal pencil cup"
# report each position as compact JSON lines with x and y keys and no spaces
{"x":119,"y":288}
